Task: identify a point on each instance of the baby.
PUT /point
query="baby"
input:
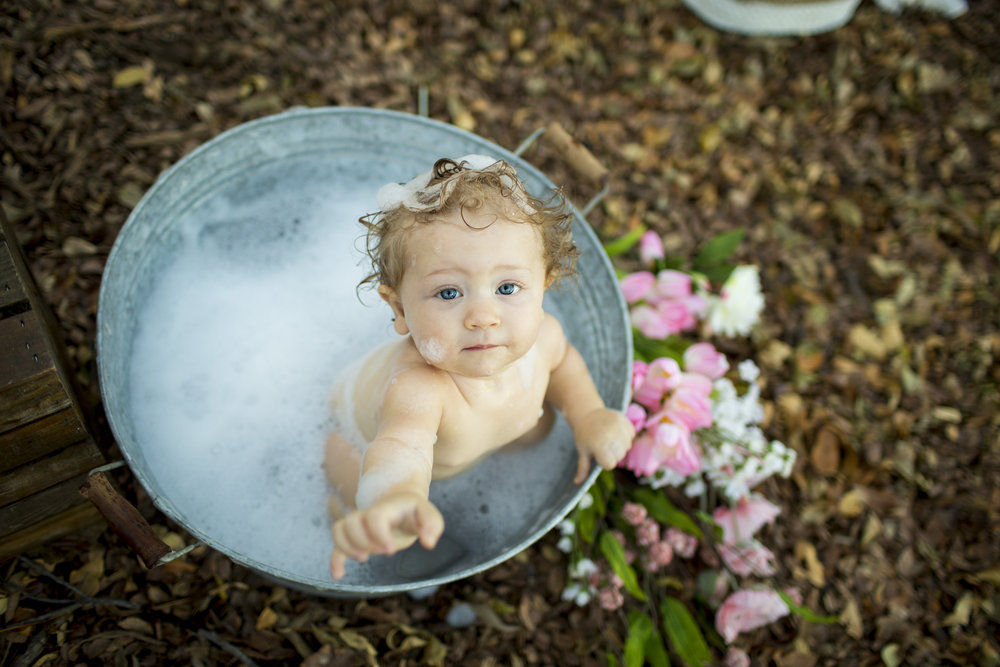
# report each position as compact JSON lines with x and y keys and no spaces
{"x":463,"y":256}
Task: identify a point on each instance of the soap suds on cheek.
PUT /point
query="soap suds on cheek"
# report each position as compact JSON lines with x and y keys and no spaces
{"x":431,"y":349}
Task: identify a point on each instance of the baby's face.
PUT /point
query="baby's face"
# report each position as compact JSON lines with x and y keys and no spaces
{"x":471,"y":298}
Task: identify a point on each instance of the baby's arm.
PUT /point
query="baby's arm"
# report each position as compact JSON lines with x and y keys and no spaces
{"x":600,"y":432}
{"x":393,"y":509}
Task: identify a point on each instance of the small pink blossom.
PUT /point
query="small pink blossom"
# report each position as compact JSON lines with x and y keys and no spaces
{"x":750,"y":514}
{"x":637,"y":415}
{"x":683,"y":544}
{"x":633,"y":513}
{"x":637,"y":285}
{"x":748,"y":609}
{"x":647,"y":533}
{"x":650,"y":247}
{"x":704,"y":359}
{"x":610,"y":598}
{"x":736,"y":658}
{"x":673,"y":285}
{"x":661,"y":553}
{"x":748,"y":559}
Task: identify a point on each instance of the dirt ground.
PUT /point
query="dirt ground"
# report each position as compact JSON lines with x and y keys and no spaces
{"x":864,"y":165}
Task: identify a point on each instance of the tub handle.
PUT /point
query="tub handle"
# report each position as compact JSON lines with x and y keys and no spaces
{"x":576,"y":155}
{"x":126,"y":521}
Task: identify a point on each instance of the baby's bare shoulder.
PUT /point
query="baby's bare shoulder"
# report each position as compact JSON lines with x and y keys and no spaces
{"x":551,"y":340}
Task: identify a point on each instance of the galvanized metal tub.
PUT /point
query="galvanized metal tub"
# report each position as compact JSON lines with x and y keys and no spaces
{"x":492,"y":512}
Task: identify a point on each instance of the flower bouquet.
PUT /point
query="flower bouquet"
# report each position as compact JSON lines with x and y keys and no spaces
{"x":698,"y":438}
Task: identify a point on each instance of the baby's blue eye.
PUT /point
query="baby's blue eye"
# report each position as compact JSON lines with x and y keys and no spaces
{"x":449,"y":293}
{"x":508,"y":289}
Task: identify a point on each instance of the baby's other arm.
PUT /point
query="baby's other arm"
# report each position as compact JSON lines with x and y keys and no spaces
{"x":393,"y":509}
{"x":600,"y":432}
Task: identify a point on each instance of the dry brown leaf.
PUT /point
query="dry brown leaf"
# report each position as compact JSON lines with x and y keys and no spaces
{"x":825,"y":454}
{"x":266,"y":619}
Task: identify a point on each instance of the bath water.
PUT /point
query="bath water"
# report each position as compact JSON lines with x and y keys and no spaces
{"x":240,"y":336}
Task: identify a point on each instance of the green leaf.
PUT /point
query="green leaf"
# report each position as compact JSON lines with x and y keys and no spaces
{"x":718,"y":249}
{"x":656,"y":652}
{"x":640,"y":627}
{"x":664,"y":511}
{"x":644,"y":645}
{"x":606,"y":482}
{"x":615,"y":553}
{"x":718,"y":275}
{"x":586,"y":523}
{"x":650,"y":348}
{"x":806,"y":613}
{"x":684,"y":634}
{"x":707,"y":519}
{"x":623,"y":244}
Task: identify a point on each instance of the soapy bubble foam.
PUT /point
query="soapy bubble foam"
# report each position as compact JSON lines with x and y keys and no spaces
{"x":239,"y":339}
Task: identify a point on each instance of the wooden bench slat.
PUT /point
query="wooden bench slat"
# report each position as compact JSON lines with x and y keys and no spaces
{"x":72,"y":461}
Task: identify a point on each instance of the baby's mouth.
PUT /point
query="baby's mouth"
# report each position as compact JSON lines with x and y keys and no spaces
{"x":479,"y":348}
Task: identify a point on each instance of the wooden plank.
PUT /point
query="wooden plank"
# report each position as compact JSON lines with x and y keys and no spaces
{"x":26,"y":353}
{"x":40,"y":506}
{"x":78,"y":459}
{"x":12,"y":294}
{"x":40,"y":438}
{"x":67,"y":522}
{"x":32,"y":399}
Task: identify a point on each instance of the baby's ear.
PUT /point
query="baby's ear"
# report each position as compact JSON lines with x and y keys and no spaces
{"x":391,"y":297}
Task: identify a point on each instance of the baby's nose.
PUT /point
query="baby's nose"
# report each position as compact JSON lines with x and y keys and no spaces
{"x":481,"y":315}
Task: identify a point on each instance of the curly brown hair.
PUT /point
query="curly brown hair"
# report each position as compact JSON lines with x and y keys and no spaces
{"x":465,"y":189}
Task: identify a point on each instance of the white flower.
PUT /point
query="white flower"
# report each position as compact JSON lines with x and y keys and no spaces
{"x":737,"y":308}
{"x":586,"y":501}
{"x":566,"y":527}
{"x":582,"y":568}
{"x":565,"y":544}
{"x":577,"y":593}
{"x":748,"y":370}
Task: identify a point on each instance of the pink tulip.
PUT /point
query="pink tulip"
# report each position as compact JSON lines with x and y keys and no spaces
{"x":704,"y":359}
{"x":750,"y":514}
{"x":675,"y":449}
{"x":641,"y":458}
{"x":672,"y":285}
{"x":748,"y":559}
{"x":676,"y":316}
{"x":637,"y":285}
{"x":650,"y":248}
{"x":636,"y":415}
{"x":650,"y":322}
{"x":690,"y":403}
{"x":747,"y":610}
{"x":663,"y":375}
{"x":639,"y":371}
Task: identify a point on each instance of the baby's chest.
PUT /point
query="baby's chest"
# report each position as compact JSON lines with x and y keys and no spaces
{"x":494,"y":419}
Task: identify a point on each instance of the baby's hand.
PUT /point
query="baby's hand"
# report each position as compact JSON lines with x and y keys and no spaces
{"x":604,"y":434}
{"x":391,"y":524}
